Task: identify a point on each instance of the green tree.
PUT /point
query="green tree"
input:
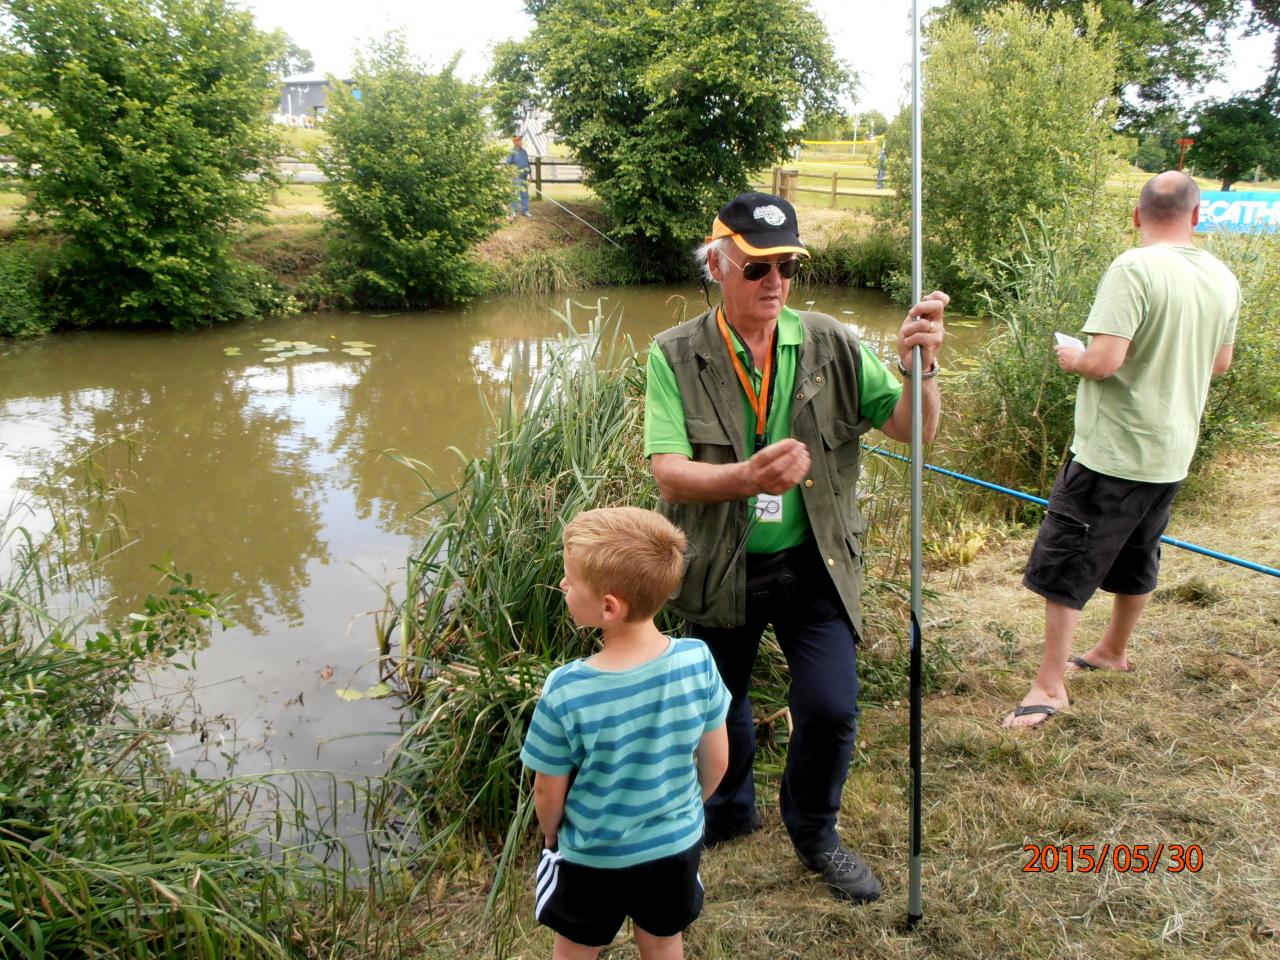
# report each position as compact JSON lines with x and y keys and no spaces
{"x":512,"y":84}
{"x":135,"y":124}
{"x":871,"y":123}
{"x":1236,"y":136}
{"x":1017,"y":116}
{"x":671,"y":106}
{"x":291,"y":59}
{"x":1161,"y":47}
{"x":1158,"y":140}
{"x":412,"y":181}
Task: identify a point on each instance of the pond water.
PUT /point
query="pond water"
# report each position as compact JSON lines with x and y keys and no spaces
{"x":268,"y":481}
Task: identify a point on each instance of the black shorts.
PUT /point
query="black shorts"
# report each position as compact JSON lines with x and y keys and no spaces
{"x":1099,"y":532}
{"x":588,"y":904}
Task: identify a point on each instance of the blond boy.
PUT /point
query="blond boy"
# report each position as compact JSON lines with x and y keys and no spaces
{"x":625,"y":745}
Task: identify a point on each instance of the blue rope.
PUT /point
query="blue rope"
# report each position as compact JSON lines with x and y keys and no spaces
{"x":1247,"y":564}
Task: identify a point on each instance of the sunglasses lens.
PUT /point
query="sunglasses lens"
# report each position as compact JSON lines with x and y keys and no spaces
{"x":756,"y":270}
{"x":789,"y":268}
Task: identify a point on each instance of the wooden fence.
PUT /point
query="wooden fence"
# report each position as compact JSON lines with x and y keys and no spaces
{"x":786,"y":183}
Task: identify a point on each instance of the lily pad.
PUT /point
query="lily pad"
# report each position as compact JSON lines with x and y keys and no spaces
{"x":285,"y":354}
{"x":268,"y":340}
{"x":231,"y":351}
{"x":346,"y":693}
{"x":358,"y":344}
{"x":379,"y":691}
{"x":357,"y":352}
{"x":275,"y":359}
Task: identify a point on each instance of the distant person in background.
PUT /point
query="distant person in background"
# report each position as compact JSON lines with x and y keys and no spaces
{"x":880,"y":167}
{"x":1162,"y":324}
{"x":519,"y":159}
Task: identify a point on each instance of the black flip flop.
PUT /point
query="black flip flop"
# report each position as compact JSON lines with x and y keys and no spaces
{"x":1033,"y":708}
{"x":1083,"y":664}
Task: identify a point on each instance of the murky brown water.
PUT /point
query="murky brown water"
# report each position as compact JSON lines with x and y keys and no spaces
{"x":268,"y":482}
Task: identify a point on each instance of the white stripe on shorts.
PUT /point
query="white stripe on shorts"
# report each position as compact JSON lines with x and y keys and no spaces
{"x":548,"y":874}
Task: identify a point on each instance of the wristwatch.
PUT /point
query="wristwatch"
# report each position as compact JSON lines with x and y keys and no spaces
{"x":927,"y":375}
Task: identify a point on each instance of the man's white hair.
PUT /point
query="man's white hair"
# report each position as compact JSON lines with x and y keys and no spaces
{"x":702,"y":255}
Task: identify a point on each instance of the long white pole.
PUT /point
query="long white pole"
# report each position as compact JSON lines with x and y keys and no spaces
{"x":914,"y":906}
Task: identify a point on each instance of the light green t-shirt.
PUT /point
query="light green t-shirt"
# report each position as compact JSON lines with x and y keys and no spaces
{"x":665,"y":431}
{"x":1177,"y":306}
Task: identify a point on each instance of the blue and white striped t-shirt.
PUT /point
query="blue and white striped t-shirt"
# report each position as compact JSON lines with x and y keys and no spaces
{"x":630,"y":735}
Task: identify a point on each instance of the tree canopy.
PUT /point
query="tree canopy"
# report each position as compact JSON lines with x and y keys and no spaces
{"x":1235,"y":137}
{"x":1017,"y":116}
{"x":670,"y":106}
{"x":135,"y":124}
{"x":1160,"y":47}
{"x":412,"y":180}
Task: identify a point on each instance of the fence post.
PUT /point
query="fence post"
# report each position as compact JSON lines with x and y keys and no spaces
{"x":787,"y":184}
{"x":835,"y":180}
{"x":537,"y":175}
{"x":774,"y":188}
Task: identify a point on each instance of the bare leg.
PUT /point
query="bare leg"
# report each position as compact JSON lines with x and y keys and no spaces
{"x":1109,"y":654}
{"x":659,"y":948}
{"x":1047,"y":688}
{"x":566,"y":949}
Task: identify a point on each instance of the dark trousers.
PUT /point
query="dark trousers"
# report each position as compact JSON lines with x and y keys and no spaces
{"x":792,"y":591}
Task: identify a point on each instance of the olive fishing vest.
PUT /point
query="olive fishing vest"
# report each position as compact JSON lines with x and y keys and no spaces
{"x":825,"y":417}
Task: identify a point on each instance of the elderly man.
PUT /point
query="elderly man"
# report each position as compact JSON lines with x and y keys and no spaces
{"x":753,"y":418}
{"x":1162,"y":324}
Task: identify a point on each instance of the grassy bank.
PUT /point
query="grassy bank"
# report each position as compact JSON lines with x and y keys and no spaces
{"x":1178,"y":752}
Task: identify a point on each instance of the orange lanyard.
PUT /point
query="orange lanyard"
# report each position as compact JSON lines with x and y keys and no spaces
{"x":759,"y":403}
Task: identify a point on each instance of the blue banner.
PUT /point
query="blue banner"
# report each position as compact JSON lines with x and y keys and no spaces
{"x":1249,"y":211}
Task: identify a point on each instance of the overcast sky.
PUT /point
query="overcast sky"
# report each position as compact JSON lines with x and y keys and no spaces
{"x":874,"y":37}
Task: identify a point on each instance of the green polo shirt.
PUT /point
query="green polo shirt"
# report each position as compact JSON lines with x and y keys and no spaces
{"x":664,"y":426}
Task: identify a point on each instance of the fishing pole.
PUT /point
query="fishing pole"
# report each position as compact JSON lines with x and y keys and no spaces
{"x":915,"y":909}
{"x":988,"y":485}
{"x":543,"y":194}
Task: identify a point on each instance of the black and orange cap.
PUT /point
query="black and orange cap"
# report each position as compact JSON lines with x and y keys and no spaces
{"x":760,"y":225}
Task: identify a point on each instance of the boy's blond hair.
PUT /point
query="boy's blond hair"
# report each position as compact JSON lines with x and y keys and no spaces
{"x":636,"y":555}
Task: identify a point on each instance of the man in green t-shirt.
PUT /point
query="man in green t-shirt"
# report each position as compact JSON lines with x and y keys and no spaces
{"x":1162,"y":324}
{"x":753,"y":417}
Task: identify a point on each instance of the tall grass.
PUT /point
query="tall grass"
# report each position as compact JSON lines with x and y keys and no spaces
{"x":482,"y":622}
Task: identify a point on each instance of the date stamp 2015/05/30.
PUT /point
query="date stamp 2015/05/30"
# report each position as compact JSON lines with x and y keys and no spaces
{"x":1120,"y":857}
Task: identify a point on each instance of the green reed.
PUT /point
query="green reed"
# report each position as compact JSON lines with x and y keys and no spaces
{"x":105,"y":849}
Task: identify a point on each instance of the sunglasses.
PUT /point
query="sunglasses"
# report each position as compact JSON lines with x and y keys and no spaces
{"x":757,"y":270}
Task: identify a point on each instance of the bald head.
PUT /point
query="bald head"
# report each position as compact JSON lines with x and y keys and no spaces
{"x":1168,"y":198}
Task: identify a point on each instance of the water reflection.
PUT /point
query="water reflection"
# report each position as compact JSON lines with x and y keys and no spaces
{"x":267,"y":481}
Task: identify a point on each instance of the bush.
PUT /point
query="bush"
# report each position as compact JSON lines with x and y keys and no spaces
{"x":21,"y":308}
{"x":1015,"y":412}
{"x":1018,"y":114}
{"x":412,"y":181}
{"x":150,"y":117}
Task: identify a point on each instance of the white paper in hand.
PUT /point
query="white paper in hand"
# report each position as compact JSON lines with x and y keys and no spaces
{"x":1066,"y":340}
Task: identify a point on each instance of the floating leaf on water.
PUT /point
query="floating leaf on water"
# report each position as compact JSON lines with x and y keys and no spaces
{"x":319,"y":350}
{"x":274,"y":348}
{"x":231,"y":351}
{"x":357,"y":352}
{"x":358,"y":344}
{"x":285,"y":354}
{"x":268,"y":340}
{"x":275,"y":359}
{"x":379,"y":691}
{"x":849,"y":312}
{"x":346,"y":693}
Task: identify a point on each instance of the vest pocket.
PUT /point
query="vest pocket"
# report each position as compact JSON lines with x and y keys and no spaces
{"x":710,"y":441}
